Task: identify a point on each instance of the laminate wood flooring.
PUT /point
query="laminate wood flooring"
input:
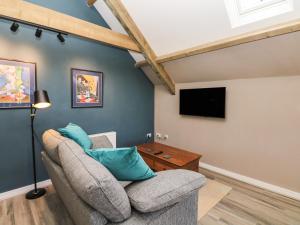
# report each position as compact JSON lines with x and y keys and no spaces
{"x":249,"y":205}
{"x":47,"y":210}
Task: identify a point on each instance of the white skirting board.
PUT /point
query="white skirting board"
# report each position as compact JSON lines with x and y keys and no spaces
{"x":23,"y":190}
{"x":252,"y":181}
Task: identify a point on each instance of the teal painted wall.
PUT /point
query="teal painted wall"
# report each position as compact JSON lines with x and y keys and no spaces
{"x":128,"y":94}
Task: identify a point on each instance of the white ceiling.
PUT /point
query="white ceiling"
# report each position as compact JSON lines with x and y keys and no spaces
{"x":114,"y":24}
{"x":172,"y":25}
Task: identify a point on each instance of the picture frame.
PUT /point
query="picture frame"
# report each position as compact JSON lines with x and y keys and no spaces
{"x":17,"y":84}
{"x":86,"y":88}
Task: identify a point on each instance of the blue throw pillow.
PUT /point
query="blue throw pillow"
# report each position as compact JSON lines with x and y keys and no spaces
{"x":125,"y":164}
{"x":77,"y":134}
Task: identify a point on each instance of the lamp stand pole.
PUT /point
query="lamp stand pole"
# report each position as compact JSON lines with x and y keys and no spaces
{"x":36,"y":192}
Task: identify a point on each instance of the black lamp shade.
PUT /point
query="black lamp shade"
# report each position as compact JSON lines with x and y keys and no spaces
{"x":41,"y":99}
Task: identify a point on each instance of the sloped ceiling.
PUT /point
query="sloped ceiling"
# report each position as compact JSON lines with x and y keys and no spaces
{"x":278,"y":56}
{"x":172,"y":25}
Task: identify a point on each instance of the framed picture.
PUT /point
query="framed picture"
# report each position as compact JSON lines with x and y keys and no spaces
{"x":17,"y":84}
{"x":87,"y":88}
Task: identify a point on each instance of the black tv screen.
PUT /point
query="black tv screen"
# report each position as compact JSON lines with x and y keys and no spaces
{"x":208,"y":102}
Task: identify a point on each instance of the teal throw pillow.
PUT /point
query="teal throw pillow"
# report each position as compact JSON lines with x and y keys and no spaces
{"x":77,"y":134}
{"x":126,"y":164}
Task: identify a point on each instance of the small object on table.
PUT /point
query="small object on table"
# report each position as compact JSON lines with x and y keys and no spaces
{"x":167,"y":156}
{"x":148,"y":149}
{"x":158,"y":153}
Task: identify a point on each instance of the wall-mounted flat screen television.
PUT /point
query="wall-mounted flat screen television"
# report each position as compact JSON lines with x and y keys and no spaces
{"x":209,"y":102}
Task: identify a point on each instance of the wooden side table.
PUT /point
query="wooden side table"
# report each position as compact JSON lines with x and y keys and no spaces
{"x":163,"y":157}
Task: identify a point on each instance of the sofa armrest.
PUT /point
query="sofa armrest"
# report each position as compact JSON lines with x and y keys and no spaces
{"x":167,"y":188}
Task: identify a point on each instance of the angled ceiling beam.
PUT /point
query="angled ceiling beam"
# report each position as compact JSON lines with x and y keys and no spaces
{"x":23,"y":11}
{"x":269,"y":32}
{"x":127,"y":22}
{"x":91,"y":2}
{"x":141,"y":63}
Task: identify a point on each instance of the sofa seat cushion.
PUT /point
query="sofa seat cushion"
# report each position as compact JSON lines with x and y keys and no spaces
{"x":167,"y":188}
{"x":94,"y":183}
{"x":51,"y":140}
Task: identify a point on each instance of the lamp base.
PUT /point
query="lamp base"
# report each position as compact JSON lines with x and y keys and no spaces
{"x":36,"y":194}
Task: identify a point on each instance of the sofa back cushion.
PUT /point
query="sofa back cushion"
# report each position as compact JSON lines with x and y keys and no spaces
{"x":51,"y":140}
{"x":100,"y":141}
{"x":94,"y":183}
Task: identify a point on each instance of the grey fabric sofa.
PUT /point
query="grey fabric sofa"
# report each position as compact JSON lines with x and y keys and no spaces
{"x":92,"y":195}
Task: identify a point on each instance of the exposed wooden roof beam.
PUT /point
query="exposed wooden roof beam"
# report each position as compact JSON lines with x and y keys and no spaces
{"x":141,"y":63}
{"x":91,"y":2}
{"x":269,"y":32}
{"x":121,"y":13}
{"x":40,"y":16}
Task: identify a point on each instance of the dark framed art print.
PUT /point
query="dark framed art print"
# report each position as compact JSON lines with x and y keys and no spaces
{"x":87,"y":88}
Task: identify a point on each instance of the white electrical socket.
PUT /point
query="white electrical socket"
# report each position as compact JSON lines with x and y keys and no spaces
{"x":158,"y":136}
{"x":165,"y":137}
{"x":149,"y":135}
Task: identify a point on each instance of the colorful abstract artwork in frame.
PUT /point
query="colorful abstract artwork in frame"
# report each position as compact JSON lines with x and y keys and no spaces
{"x":87,"y":88}
{"x":17,"y":84}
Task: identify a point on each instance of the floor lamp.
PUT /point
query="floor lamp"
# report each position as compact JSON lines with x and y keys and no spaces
{"x":41,"y":100}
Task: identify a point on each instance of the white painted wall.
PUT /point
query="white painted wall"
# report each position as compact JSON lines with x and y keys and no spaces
{"x":260,"y":137}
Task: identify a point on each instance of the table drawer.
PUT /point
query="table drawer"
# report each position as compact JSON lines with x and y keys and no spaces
{"x":160,"y":167}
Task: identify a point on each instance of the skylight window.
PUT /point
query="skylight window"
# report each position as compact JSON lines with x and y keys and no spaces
{"x":242,"y":12}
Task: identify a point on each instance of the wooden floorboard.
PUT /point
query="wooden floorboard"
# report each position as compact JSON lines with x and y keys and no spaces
{"x":244,"y":205}
{"x":47,"y":210}
{"x":249,"y":205}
